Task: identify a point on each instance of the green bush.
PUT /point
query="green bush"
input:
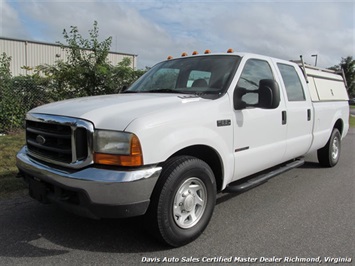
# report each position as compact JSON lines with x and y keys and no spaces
{"x":9,"y":106}
{"x":85,"y":72}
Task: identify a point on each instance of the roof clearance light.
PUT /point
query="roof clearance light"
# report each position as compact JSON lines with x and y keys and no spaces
{"x":194,"y":53}
{"x":207,"y":51}
{"x":184,"y":54}
{"x":230,"y":50}
{"x":170,"y":57}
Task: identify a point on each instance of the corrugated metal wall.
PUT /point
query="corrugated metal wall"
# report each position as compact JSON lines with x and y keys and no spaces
{"x":32,"y":54}
{"x":17,"y":52}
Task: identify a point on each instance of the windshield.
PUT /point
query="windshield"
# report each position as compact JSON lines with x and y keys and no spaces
{"x":199,"y":75}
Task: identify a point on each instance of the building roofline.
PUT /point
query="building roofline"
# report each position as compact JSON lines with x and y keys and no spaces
{"x":55,"y":44}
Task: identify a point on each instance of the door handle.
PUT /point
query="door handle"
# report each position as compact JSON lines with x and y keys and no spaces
{"x":284,"y":117}
{"x":309,"y":115}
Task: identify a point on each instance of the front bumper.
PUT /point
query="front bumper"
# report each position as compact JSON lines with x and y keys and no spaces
{"x":92,"y":192}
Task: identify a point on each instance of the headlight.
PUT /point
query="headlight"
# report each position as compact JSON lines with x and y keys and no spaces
{"x":117,"y":148}
{"x":112,"y":142}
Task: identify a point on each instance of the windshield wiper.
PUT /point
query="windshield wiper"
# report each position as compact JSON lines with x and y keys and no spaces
{"x":130,"y":91}
{"x":155,"y":91}
{"x":163,"y":91}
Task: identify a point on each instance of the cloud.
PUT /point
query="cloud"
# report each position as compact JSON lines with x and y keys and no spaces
{"x":289,"y":30}
{"x":130,"y":32}
{"x":156,"y":29}
{"x":10,"y":23}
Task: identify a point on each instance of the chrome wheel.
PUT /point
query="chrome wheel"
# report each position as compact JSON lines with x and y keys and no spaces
{"x":329,"y":155}
{"x":189,"y":203}
{"x":335,"y":149}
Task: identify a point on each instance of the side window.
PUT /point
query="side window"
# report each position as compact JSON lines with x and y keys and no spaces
{"x":292,"y":83}
{"x":198,"y":78}
{"x":254,"y":71}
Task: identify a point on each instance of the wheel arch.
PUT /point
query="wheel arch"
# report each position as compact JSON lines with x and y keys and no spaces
{"x":209,"y":156}
{"x":339,"y":124}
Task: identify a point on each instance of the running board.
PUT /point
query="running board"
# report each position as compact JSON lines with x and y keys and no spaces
{"x":262,"y":178}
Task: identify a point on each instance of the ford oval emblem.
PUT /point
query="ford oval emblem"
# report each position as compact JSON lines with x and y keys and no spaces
{"x":40,"y":139}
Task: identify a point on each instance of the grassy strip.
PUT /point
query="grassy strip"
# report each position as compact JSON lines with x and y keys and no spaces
{"x":352,"y":121}
{"x":352,"y":118}
{"x":9,"y":146}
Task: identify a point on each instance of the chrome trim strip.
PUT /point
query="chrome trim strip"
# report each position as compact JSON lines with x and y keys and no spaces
{"x":73,"y":144}
{"x":242,"y":149}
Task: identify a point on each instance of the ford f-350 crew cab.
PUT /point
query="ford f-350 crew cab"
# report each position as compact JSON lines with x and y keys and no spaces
{"x":187,"y":129}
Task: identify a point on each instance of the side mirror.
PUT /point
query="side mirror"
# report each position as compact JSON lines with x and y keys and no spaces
{"x":239,"y":92}
{"x":268,"y":95}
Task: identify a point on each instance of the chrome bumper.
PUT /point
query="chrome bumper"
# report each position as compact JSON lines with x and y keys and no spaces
{"x":102,"y":187}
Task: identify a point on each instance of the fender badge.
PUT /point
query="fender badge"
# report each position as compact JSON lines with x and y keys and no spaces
{"x":223,"y":123}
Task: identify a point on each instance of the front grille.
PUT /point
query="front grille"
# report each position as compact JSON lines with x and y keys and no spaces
{"x":49,"y":140}
{"x":59,"y":140}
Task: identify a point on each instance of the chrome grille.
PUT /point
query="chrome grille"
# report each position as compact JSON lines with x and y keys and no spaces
{"x":59,"y":140}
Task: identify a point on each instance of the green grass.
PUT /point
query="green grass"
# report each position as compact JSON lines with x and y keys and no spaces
{"x":9,"y":146}
{"x":352,"y":121}
{"x":352,"y":118}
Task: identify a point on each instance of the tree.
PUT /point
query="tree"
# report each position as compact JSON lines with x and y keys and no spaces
{"x":348,"y":66}
{"x":86,"y":70}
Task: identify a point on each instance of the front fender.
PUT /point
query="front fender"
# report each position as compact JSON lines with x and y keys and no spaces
{"x":164,"y":134}
{"x":170,"y":143}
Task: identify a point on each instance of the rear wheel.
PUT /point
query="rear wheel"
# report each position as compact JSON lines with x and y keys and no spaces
{"x":328,"y":156}
{"x":183,"y":201}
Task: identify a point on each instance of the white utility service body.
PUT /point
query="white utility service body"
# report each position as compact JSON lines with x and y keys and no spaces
{"x":188,"y":128}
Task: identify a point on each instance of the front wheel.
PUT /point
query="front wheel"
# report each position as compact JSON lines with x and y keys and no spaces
{"x":183,"y":201}
{"x":328,"y":156}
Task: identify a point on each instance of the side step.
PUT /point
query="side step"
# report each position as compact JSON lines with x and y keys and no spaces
{"x":242,"y":185}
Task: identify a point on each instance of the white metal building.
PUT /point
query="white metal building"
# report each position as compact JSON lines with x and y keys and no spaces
{"x":32,"y":53}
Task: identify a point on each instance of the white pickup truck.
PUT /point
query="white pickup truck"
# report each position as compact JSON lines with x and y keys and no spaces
{"x":187,"y":129}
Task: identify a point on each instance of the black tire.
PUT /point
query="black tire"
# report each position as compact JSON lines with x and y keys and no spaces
{"x":182,"y":202}
{"x":328,"y":156}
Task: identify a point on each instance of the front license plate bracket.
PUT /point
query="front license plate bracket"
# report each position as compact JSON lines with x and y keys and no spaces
{"x":38,"y":190}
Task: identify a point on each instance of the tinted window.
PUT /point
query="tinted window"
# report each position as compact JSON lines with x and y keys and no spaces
{"x":292,"y":83}
{"x":195,"y":75}
{"x":254,"y":71}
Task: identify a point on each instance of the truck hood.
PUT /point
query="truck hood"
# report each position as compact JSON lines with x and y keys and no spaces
{"x":116,"y":111}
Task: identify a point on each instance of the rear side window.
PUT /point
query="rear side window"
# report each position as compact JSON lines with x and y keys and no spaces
{"x":294,"y":88}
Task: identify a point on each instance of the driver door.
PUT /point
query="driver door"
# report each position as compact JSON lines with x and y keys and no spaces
{"x":259,"y":134}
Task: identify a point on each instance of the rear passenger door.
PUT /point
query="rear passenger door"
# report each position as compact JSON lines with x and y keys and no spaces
{"x":299,"y":110}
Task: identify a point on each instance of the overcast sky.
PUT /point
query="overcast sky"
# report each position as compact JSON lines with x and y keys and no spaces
{"x":154,"y":29}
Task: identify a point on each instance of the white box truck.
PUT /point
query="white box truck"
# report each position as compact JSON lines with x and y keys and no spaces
{"x":189,"y":128}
